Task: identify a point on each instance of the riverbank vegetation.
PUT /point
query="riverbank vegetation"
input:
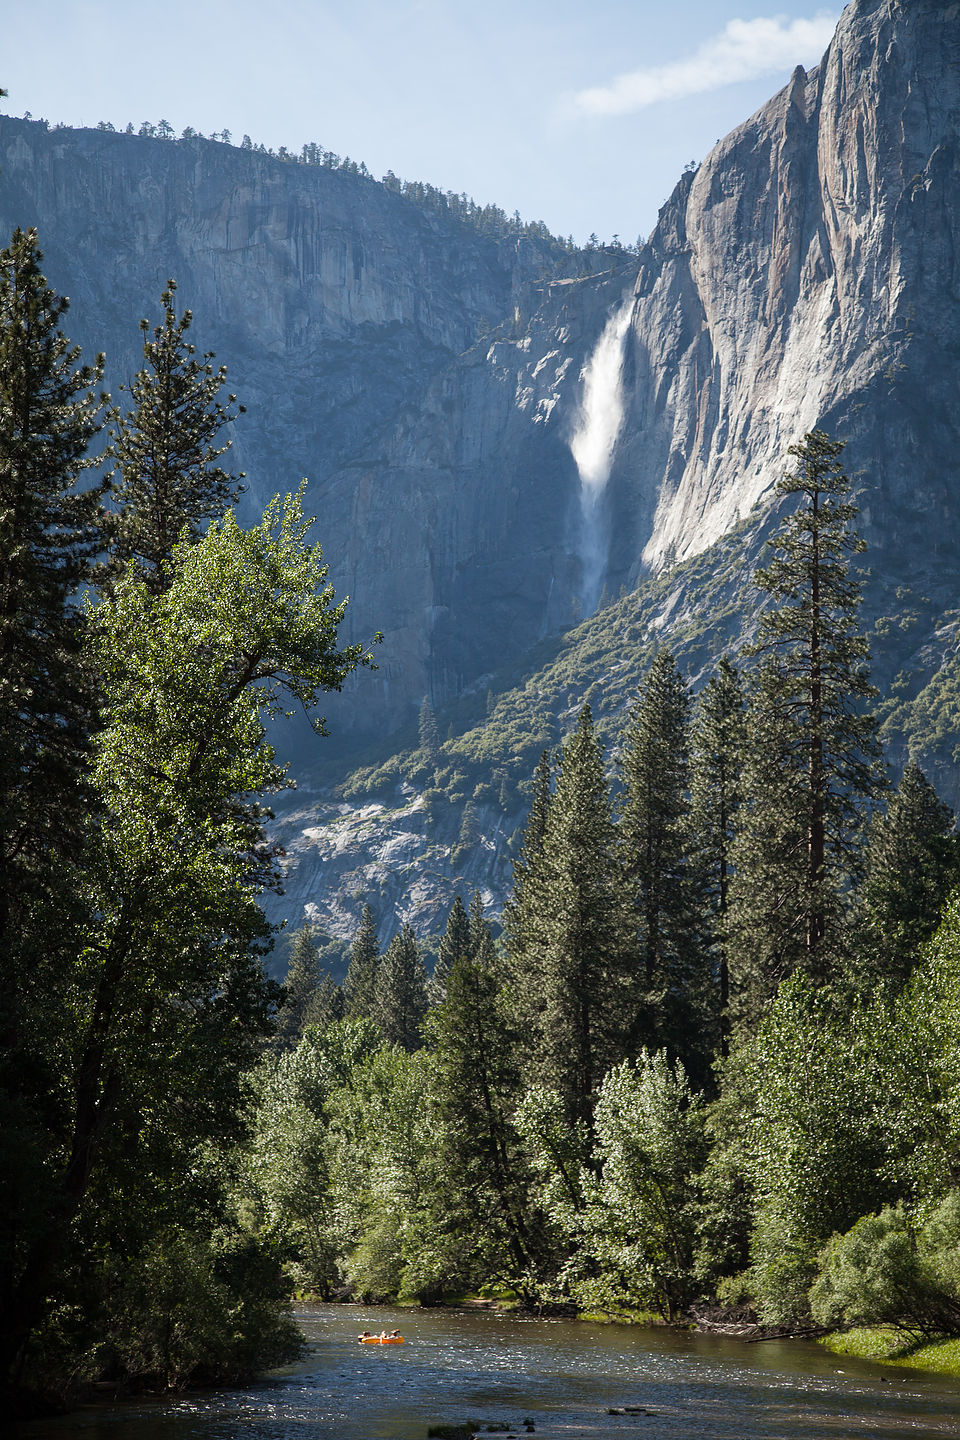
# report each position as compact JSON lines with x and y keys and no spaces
{"x":710,"y":1060}
{"x":710,"y":1065}
{"x":144,"y":643}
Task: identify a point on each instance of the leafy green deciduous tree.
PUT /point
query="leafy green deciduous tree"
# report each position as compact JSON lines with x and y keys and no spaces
{"x":813,"y":1092}
{"x":285,"y":1171}
{"x":639,"y":1222}
{"x":169,"y":1002}
{"x":922,"y":1116}
{"x":401,"y":1245}
{"x":888,"y":1270}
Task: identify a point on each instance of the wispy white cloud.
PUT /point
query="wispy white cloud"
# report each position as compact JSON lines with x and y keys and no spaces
{"x":743,"y":49}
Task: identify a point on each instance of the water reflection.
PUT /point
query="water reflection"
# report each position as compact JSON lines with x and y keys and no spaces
{"x":563,"y":1376}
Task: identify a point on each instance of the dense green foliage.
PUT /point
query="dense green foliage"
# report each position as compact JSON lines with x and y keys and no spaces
{"x":714,"y":1059}
{"x":135,"y":1001}
{"x":717,"y":1032}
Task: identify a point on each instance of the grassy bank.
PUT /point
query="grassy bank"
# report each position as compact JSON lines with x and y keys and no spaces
{"x":883,"y":1343}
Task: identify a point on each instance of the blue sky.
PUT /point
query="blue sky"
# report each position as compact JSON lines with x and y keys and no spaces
{"x":581,"y":113}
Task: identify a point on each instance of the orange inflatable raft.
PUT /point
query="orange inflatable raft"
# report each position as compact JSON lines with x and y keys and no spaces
{"x":381,"y":1339}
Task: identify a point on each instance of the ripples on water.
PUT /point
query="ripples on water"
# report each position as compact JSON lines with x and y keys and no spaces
{"x":563,"y":1375}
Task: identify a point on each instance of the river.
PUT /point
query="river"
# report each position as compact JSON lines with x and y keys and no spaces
{"x":563,"y":1377}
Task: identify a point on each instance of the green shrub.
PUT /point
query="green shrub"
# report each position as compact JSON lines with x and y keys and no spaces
{"x":868,"y":1275}
{"x":886,"y":1270}
{"x":191,"y":1309}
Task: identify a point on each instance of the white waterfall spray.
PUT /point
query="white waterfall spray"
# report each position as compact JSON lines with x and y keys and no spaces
{"x":592,"y":444}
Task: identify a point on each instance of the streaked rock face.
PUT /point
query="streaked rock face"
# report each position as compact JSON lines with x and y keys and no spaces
{"x":807,"y":274}
{"x":396,"y":856}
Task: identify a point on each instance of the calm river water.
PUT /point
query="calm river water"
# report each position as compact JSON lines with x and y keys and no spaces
{"x":561,"y":1376}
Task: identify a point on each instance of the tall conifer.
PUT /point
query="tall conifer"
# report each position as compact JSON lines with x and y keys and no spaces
{"x":522,"y":910}
{"x":813,"y":768}
{"x":457,"y":940}
{"x":718,"y":753}
{"x":50,"y":532}
{"x":578,"y":952}
{"x":165,"y":449}
{"x":658,"y":845}
{"x":49,"y":535}
{"x":301,"y":986}
{"x":912,"y":865}
{"x":477,"y":1084}
{"x":427,"y":729}
{"x":360,"y":982}
{"x":400,"y":991}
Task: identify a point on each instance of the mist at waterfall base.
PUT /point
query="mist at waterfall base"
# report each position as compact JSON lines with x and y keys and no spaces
{"x":592,"y":445}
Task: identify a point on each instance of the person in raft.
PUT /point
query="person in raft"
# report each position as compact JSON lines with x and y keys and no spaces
{"x":364,"y":1335}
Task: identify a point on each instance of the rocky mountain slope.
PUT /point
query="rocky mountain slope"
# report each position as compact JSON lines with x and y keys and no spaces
{"x":434,"y":384}
{"x":806,"y":274}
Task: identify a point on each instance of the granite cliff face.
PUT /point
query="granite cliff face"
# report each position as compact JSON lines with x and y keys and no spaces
{"x":808,"y":273}
{"x":335,"y":303}
{"x":429,"y":380}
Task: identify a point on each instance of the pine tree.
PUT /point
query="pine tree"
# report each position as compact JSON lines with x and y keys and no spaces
{"x":359,"y":985}
{"x":457,"y":940}
{"x":477,"y":1085}
{"x":658,"y":844}
{"x":49,"y":535}
{"x":301,"y":987}
{"x":575,"y":957}
{"x":165,"y":448}
{"x":813,"y":769}
{"x":326,"y":1006}
{"x":50,"y":532}
{"x":912,"y":865}
{"x":400,"y":992}
{"x":468,"y":835}
{"x":718,"y":754}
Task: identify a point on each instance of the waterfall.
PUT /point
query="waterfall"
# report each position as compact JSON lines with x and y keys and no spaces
{"x":592,"y":444}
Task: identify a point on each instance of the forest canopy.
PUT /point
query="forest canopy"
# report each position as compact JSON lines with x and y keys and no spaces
{"x":707,"y":1068}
